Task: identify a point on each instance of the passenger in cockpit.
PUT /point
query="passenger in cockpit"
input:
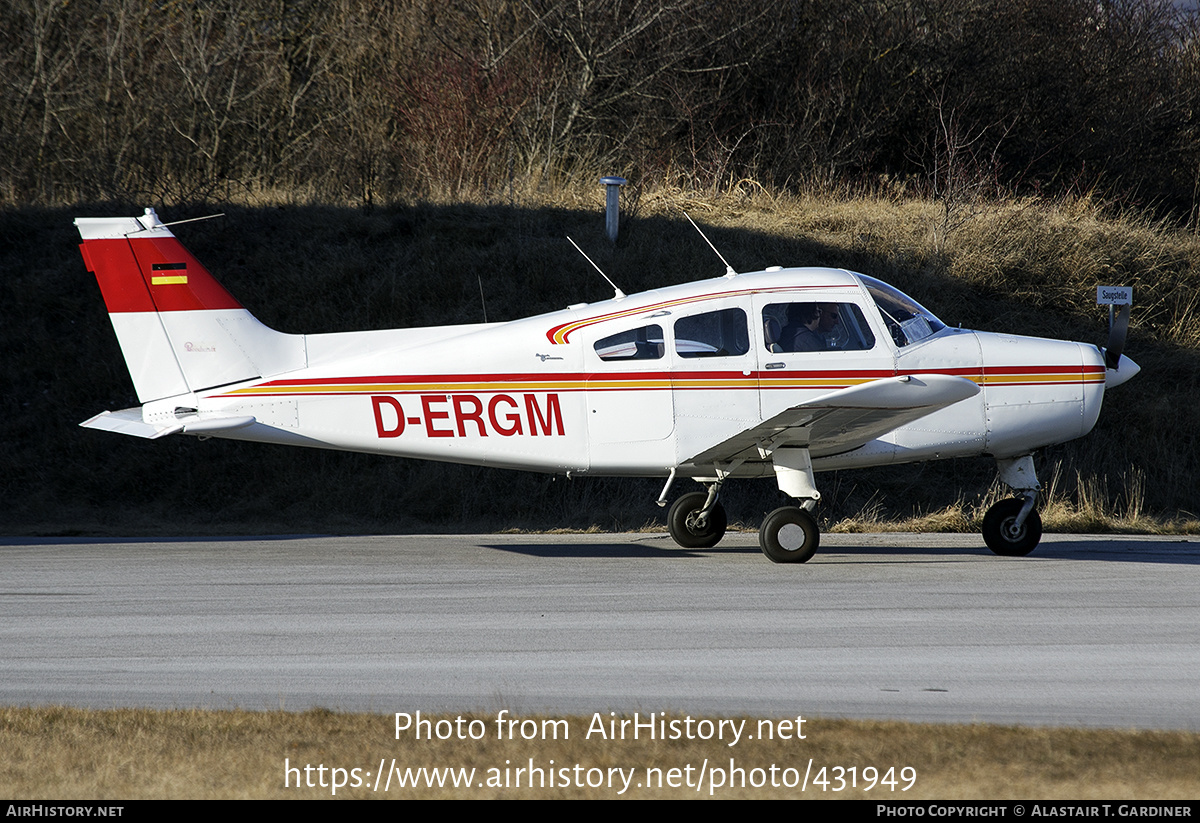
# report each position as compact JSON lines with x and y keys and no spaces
{"x":827,"y":326}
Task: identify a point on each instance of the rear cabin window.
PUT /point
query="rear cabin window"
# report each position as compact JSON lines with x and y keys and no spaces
{"x":645,"y":343}
{"x":795,"y":327}
{"x":713,"y":334}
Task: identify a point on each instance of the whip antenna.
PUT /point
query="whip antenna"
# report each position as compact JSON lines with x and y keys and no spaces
{"x":194,"y":219}
{"x":729,"y":272}
{"x":617,"y":293}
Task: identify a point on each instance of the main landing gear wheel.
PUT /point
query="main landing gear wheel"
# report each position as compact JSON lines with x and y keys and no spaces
{"x":1000,"y":531}
{"x":685,"y":528}
{"x":789,"y":535}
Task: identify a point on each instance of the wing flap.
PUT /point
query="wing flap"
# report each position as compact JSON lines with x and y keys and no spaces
{"x":845,"y":419}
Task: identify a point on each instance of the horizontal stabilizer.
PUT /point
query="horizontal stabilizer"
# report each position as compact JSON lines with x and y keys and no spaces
{"x":129,"y":421}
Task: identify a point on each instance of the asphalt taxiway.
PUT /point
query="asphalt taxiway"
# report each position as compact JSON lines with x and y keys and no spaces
{"x":1089,"y":630}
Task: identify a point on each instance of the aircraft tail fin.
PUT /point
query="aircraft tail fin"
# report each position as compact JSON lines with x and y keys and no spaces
{"x":179,"y":329}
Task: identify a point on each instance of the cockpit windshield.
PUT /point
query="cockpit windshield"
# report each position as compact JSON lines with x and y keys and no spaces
{"x":906,"y":319}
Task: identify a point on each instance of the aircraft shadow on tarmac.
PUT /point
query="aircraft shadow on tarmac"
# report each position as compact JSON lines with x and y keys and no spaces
{"x":610,"y":550}
{"x":1180,"y":552}
{"x":1126,"y":549}
{"x":1101,"y":548}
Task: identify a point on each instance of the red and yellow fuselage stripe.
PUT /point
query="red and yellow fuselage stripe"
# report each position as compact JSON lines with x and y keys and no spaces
{"x":991,"y":376}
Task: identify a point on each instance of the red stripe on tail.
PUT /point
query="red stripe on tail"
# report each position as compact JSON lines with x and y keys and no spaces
{"x":152,"y":274}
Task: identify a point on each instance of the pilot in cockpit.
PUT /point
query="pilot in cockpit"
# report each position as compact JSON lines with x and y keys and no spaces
{"x":800,"y":333}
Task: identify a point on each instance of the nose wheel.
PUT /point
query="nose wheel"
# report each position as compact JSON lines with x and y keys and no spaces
{"x":1006,"y":533}
{"x":789,"y":535}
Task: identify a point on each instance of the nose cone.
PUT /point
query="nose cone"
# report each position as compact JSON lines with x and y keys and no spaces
{"x":1125,"y":369}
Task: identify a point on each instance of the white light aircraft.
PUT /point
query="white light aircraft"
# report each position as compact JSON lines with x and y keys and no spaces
{"x":783,"y":372}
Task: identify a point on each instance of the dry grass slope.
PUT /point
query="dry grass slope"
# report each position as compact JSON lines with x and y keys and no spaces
{"x":1028,"y":266}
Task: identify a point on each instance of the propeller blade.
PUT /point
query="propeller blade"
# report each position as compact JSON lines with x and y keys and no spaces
{"x":1118,"y":328}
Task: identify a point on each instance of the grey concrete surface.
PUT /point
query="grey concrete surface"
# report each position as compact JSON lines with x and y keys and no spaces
{"x":1094,"y":631}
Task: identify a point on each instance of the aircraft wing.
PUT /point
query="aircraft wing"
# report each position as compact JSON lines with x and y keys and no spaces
{"x":845,"y":419}
{"x":129,"y":421}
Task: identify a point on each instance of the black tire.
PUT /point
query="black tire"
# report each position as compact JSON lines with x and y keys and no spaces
{"x":998,"y":529}
{"x":789,"y":535}
{"x":686,"y":535}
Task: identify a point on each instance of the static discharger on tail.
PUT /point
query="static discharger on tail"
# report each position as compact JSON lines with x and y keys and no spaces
{"x":783,"y":372}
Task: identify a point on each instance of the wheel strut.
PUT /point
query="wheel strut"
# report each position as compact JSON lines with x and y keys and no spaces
{"x":698,"y":521}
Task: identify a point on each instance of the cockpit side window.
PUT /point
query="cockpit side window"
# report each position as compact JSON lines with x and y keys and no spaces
{"x":644,"y":343}
{"x":794,"y":327}
{"x":906,"y":319}
{"x":723,"y":333}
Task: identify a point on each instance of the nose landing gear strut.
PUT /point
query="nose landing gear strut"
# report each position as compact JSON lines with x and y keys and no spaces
{"x":1012,"y":527}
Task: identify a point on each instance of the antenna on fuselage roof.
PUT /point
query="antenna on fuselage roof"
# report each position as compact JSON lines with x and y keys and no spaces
{"x":729,"y":272}
{"x":617,"y":293}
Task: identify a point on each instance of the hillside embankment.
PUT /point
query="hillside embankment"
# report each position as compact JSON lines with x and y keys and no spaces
{"x":1027,"y":266}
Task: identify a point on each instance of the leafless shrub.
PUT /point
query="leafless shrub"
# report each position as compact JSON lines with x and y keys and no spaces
{"x":358,"y":101}
{"x":457,"y":118}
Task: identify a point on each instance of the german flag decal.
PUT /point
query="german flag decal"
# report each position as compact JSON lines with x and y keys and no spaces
{"x":168,"y":279}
